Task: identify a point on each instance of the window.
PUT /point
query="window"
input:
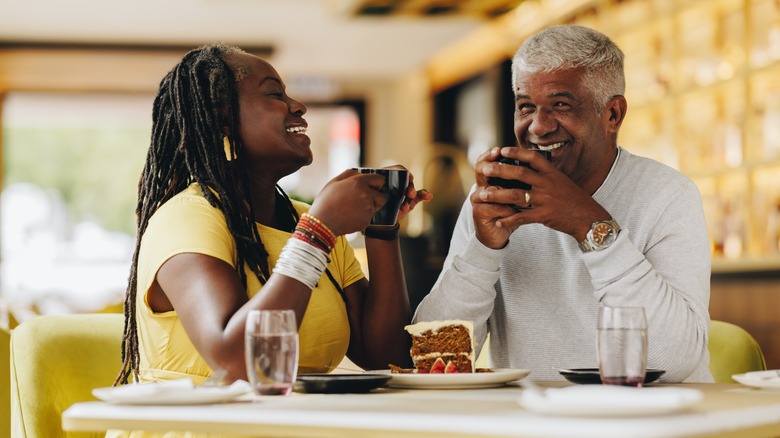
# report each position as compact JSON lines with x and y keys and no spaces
{"x":71,"y":164}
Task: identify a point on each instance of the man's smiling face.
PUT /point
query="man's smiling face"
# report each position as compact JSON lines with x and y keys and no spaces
{"x":555,"y":111}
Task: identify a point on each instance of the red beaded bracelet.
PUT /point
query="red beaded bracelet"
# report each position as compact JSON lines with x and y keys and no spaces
{"x":312,"y":231}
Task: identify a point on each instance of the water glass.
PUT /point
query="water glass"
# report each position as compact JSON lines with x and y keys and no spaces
{"x":271,"y":351}
{"x":622,"y":345}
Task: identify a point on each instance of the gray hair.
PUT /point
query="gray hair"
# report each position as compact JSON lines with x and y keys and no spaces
{"x":572,"y":46}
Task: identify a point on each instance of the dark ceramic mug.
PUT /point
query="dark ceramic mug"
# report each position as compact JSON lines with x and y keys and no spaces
{"x":396,"y":183}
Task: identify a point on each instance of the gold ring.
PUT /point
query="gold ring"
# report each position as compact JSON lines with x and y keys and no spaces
{"x":527,"y":198}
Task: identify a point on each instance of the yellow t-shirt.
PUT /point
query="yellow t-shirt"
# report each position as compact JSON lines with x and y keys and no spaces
{"x":188,"y":223}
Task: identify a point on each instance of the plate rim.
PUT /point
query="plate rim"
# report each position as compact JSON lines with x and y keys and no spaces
{"x":499,"y":377}
{"x":693,"y":397}
{"x":742,"y":379}
{"x":182,"y":396}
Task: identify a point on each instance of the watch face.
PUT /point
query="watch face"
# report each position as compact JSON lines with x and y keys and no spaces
{"x":602,"y":234}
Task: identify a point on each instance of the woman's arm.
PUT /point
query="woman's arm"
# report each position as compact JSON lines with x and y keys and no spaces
{"x":379,"y":309}
{"x":212,"y":305}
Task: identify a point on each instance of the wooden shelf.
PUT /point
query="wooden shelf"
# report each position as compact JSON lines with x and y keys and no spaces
{"x":746,"y":265}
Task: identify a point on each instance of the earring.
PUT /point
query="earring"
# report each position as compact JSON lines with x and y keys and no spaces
{"x":226,"y":146}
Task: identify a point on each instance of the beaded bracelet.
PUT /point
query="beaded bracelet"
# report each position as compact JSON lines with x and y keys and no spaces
{"x":312,"y":231}
{"x":312,"y":239}
{"x":308,"y":217}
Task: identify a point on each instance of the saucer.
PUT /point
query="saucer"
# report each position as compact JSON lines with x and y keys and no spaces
{"x":591,"y":375}
{"x":340,"y":383}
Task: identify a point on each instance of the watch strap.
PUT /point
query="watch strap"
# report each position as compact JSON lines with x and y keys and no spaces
{"x":387,"y":233}
{"x":585,"y":246}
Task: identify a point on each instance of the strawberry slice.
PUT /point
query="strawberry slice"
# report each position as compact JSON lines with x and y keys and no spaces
{"x":450,"y":368}
{"x":437,"y":367}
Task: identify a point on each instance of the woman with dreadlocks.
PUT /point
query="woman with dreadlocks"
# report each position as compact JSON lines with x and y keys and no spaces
{"x":217,"y":236}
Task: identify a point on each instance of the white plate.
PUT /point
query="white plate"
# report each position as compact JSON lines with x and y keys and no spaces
{"x":608,"y":400}
{"x":174,"y":392}
{"x":498,"y":377}
{"x":760,"y":379}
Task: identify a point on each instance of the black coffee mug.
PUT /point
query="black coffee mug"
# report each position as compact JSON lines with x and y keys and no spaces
{"x":396,"y":183}
{"x":513,"y":183}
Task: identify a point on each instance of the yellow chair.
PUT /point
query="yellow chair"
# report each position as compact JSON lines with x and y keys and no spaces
{"x":5,"y":383}
{"x":57,"y":360}
{"x":732,"y":351}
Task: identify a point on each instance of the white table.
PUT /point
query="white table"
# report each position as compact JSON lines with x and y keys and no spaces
{"x":728,"y":410}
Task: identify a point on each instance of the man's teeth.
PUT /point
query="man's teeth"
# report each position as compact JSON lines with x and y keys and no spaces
{"x":551,"y":146}
{"x":297,"y":130}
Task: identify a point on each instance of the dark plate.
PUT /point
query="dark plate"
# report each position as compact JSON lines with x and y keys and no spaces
{"x":591,"y":375}
{"x":340,"y":383}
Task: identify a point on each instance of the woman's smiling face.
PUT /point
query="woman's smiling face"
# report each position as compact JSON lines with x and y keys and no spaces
{"x":271,"y":123}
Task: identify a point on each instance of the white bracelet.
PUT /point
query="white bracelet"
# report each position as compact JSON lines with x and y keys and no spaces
{"x":302,"y":261}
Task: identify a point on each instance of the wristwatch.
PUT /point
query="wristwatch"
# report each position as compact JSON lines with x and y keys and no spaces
{"x":600,"y":236}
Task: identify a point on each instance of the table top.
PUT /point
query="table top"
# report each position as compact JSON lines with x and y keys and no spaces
{"x":727,"y":410}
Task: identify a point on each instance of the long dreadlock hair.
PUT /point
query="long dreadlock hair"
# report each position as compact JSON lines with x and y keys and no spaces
{"x":196,"y":100}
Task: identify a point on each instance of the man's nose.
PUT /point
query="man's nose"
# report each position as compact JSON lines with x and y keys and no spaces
{"x":543,"y":122}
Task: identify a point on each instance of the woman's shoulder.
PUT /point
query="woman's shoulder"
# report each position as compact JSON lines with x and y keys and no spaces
{"x":188,"y":205}
{"x":191,"y":196}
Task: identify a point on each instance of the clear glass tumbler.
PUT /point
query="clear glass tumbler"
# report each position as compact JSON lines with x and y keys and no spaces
{"x":622,"y":345}
{"x":271,"y":351}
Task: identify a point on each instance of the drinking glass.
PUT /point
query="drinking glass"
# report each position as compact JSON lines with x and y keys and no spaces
{"x":271,"y":341}
{"x":622,"y":345}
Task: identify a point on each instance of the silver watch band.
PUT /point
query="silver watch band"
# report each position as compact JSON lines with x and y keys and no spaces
{"x":589,"y":245}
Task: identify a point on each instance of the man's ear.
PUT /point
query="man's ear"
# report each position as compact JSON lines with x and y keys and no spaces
{"x":615,"y":112}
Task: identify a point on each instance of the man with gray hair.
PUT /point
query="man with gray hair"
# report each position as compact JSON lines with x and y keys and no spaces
{"x":594,"y":226}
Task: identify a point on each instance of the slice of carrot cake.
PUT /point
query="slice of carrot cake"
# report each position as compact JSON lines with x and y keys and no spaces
{"x":443,"y":346}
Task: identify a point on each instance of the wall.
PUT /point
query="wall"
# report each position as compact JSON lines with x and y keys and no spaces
{"x":398,"y":118}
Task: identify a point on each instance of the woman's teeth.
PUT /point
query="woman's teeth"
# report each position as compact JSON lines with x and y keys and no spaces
{"x":297,"y":130}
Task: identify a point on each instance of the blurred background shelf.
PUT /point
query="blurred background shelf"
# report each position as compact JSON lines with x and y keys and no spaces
{"x":746,"y":265}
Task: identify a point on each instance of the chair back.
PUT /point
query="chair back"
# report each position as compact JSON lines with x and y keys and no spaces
{"x":5,"y":383}
{"x":56,"y":360}
{"x":732,"y":351}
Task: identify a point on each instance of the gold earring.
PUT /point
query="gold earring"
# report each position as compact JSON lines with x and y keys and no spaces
{"x":226,"y":146}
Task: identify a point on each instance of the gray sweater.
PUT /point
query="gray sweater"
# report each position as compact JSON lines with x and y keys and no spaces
{"x":539,"y":296}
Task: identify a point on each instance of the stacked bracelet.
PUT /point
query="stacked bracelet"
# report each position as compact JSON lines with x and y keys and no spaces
{"x":302,"y":261}
{"x":382,"y":233}
{"x":312,"y":231}
{"x":307,"y":254}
